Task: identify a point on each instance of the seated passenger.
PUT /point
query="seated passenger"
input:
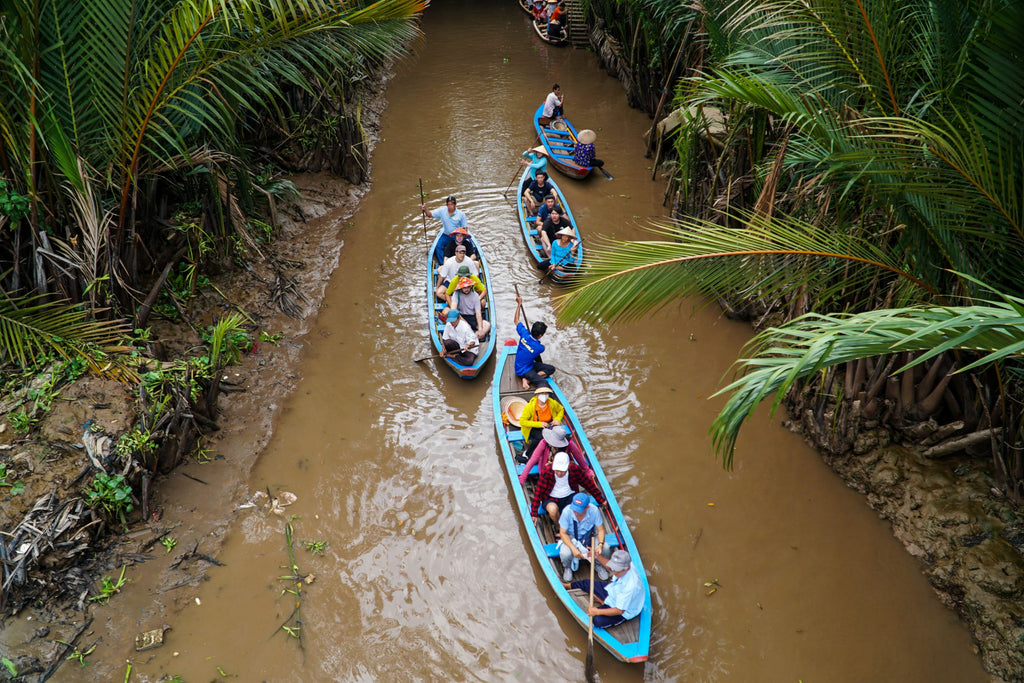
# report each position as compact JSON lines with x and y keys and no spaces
{"x":450,"y":271}
{"x":620,"y":600}
{"x":533,"y":195}
{"x":460,"y":237}
{"x":579,"y":523}
{"x":563,"y":253}
{"x":457,"y":340}
{"x":550,"y":202}
{"x":467,"y":302}
{"x":540,"y":413}
{"x":557,"y":438}
{"x":583,"y":152}
{"x":557,"y":486}
{"x":549,"y":231}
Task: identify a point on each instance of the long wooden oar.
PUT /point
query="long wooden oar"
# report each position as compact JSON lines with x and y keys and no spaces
{"x":514,"y":176}
{"x":560,"y":261}
{"x":438,"y":355}
{"x":521,"y":307}
{"x":423,"y":200}
{"x":588,"y":669}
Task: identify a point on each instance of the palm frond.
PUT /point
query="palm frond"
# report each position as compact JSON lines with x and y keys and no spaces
{"x":32,"y":328}
{"x":779,"y":357}
{"x":624,"y":280}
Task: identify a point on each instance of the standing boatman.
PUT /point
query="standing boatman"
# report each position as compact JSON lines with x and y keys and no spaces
{"x":451,"y":218}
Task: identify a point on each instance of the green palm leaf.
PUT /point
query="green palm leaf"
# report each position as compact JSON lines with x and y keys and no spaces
{"x":625,"y":280}
{"x":31,"y":329}
{"x":781,"y":356}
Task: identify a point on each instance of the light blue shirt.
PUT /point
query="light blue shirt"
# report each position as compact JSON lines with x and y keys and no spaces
{"x":455,"y":220}
{"x":560,"y":255}
{"x":626,"y":593}
{"x":576,"y":528}
{"x":538,"y":162}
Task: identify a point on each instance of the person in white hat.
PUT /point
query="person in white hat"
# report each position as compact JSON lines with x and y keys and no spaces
{"x":563,"y":252}
{"x":557,"y":486}
{"x":620,"y":600}
{"x":536,"y":159}
{"x":584,"y":151}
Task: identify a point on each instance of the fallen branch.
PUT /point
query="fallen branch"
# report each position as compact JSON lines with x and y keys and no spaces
{"x":961,"y":443}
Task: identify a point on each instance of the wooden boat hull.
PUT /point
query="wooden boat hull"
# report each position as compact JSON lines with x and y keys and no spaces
{"x":541,"y":29}
{"x":434,"y":306}
{"x":532,"y":235}
{"x":628,"y":642}
{"x":559,"y":146}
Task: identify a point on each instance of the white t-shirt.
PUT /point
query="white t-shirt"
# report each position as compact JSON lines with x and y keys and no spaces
{"x":550,"y":103}
{"x":450,"y":267}
{"x":462,"y":333}
{"x":561,"y":489}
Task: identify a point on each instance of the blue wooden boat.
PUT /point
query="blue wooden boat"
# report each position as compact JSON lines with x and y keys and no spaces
{"x":559,"y":139}
{"x":434,"y":307}
{"x":532,"y":234}
{"x":628,"y":642}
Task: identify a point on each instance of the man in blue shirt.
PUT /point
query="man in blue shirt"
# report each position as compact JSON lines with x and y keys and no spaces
{"x":620,"y":600}
{"x":451,"y":218}
{"x":529,"y":367}
{"x":580,"y":522}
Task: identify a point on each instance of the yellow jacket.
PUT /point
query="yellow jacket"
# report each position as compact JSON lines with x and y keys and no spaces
{"x":526,"y":421}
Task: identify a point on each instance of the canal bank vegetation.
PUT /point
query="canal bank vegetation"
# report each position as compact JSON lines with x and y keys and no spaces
{"x":848,"y":177}
{"x":141,"y":148}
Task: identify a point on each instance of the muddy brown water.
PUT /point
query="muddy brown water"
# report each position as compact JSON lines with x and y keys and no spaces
{"x":395,"y":464}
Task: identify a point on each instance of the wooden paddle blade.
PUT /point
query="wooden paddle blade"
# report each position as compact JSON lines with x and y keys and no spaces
{"x":588,"y":670}
{"x":606,"y":173}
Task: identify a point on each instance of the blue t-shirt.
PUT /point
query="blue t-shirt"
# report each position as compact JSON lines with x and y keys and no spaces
{"x":450,"y":222}
{"x":527,"y":351}
{"x":579,"y":529}
{"x":626,"y":593}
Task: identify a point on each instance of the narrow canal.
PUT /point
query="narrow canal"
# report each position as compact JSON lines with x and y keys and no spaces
{"x":395,"y":464}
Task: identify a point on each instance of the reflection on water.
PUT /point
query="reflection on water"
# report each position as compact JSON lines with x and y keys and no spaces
{"x":395,"y":463}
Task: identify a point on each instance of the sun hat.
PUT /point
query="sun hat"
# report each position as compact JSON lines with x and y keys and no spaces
{"x":452,"y":316}
{"x":460,"y":231}
{"x":542,"y":390}
{"x":556,"y":436}
{"x":566,"y":231}
{"x":586,"y":136}
{"x":464,"y":282}
{"x":539,"y":149}
{"x":580,"y":502}
{"x":620,"y":560}
{"x":513,"y":406}
{"x":561,"y":462}
{"x":463,"y":270}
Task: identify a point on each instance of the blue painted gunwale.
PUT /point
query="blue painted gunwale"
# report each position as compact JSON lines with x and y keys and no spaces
{"x":559,"y":146}
{"x":532,"y":235}
{"x":627,"y":652}
{"x":434,"y":325}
